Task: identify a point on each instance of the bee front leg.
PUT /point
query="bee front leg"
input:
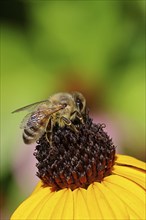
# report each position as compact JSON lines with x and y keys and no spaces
{"x":69,"y":123}
{"x":79,"y":116}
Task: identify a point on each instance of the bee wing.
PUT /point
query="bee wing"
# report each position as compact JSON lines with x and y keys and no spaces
{"x":31,"y":106}
{"x":34,"y":118}
{"x":25,"y":120}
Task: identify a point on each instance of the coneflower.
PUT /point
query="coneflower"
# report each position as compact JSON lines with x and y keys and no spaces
{"x":83,"y":178}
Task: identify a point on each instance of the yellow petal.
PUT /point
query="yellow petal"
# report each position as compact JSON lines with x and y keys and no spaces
{"x":93,"y":204}
{"x":54,"y":207}
{"x":132,"y":195}
{"x":110,"y":205}
{"x":131,"y":173}
{"x":127,"y":185}
{"x":34,"y":214}
{"x":80,"y":204}
{"x":131,"y":161}
{"x":29,"y":205}
{"x":67,"y":212}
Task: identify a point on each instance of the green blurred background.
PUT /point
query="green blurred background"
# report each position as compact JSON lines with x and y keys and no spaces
{"x":95,"y":47}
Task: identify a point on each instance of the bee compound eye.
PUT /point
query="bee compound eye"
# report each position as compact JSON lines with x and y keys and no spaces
{"x":79,"y":103}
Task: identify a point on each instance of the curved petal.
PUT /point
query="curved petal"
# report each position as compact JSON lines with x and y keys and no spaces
{"x":129,"y":193}
{"x":32,"y":205}
{"x":34,"y":214}
{"x":93,"y":204}
{"x":110,"y":205}
{"x":54,"y":207}
{"x":130,"y":161}
{"x":67,"y":212}
{"x":131,"y":173}
{"x":80,"y":204}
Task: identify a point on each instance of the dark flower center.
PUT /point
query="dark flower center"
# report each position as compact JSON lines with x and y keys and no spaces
{"x":75,"y":159}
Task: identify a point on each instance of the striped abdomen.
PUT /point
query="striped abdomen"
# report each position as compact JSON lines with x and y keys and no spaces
{"x":34,"y":130}
{"x":30,"y":135}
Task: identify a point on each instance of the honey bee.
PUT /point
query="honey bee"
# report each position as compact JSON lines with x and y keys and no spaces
{"x":59,"y":109}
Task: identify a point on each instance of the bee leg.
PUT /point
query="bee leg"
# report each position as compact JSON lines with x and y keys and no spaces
{"x":79,"y":116}
{"x":49,"y":138}
{"x":69,"y":123}
{"x":49,"y":129}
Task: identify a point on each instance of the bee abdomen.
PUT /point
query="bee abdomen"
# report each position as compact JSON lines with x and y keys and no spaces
{"x":30,"y":135}
{"x":27,"y":139}
{"x":30,"y":132}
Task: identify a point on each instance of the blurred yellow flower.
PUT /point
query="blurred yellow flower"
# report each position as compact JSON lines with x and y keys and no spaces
{"x":121,"y":195}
